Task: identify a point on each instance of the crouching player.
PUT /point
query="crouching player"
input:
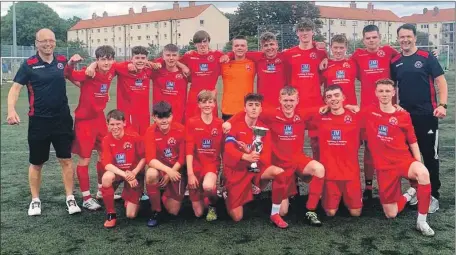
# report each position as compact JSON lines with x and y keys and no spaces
{"x":239,"y":155}
{"x":165,"y":145}
{"x":123,"y":159}
{"x":392,"y":141}
{"x":204,"y":137}
{"x":339,"y":138}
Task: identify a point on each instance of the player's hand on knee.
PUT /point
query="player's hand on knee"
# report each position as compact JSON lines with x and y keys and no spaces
{"x":129,"y":176}
{"x":352,"y":108}
{"x":13,"y":118}
{"x":174,"y":175}
{"x":192,"y":182}
{"x":164,"y":181}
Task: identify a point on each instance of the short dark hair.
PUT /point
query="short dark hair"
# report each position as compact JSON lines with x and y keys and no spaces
{"x":339,"y":39}
{"x":253,"y":97}
{"x":115,"y":114}
{"x":139,"y":50}
{"x":385,"y":82}
{"x":331,"y":88}
{"x":239,"y":37}
{"x":162,"y":109}
{"x":200,"y":36}
{"x":267,"y":36}
{"x":105,"y":51}
{"x":171,"y":48}
{"x":305,"y":24}
{"x":407,"y":26}
{"x":370,"y":28}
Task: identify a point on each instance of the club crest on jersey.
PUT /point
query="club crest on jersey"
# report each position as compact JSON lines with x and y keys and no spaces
{"x":288,"y":130}
{"x":373,"y":64}
{"x":336,"y":135}
{"x":210,"y":58}
{"x":418,"y":64}
{"x":393,"y":121}
{"x":214,"y":132}
{"x":296,"y":118}
{"x":127,"y":146}
{"x":121,"y":158}
{"x":109,"y":76}
{"x":179,"y":76}
{"x":313,"y":55}
{"x":104,"y":88}
{"x":271,"y":67}
{"x":204,"y":67}
{"x":278,"y":61}
{"x":138,"y":83}
{"x":340,"y":74}
{"x":346,"y":65}
{"x":305,"y":68}
{"x":168,"y":152}
{"x":206,"y":143}
{"x":60,"y":66}
{"x":247,"y":67}
{"x":171,"y":141}
{"x":169,"y":85}
{"x":380,"y":53}
{"x":348,"y":119}
{"x":383,"y":130}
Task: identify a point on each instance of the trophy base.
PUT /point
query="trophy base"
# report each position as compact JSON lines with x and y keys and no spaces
{"x":253,"y":169}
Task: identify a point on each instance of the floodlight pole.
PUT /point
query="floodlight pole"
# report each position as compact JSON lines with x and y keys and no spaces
{"x":14,"y":31}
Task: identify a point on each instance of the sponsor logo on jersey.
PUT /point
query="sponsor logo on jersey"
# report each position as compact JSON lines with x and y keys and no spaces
{"x":336,"y":135}
{"x":393,"y":121}
{"x":171,"y":141}
{"x":380,"y":53}
{"x":204,"y":67}
{"x":168,"y":152}
{"x":60,"y":66}
{"x":418,"y":64}
{"x":288,"y":130}
{"x":138,"y":83}
{"x":121,"y":158}
{"x":271,"y":67}
{"x":214,"y":132}
{"x":127,"y":146}
{"x":206,"y":143}
{"x":348,"y":119}
{"x":104,"y":88}
{"x":37,"y":67}
{"x":373,"y":63}
{"x":383,"y":130}
{"x":305,"y":68}
{"x":169,"y":85}
{"x":340,"y":74}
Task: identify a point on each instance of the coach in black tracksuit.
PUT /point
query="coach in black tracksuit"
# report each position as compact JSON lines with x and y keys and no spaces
{"x":416,"y":71}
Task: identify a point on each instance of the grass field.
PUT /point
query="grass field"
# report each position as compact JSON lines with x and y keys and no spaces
{"x":56,"y":232}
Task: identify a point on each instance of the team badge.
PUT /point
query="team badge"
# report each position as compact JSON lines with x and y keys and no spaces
{"x":109,"y":77}
{"x":179,"y":76}
{"x":348,"y":119}
{"x":138,"y":83}
{"x":373,"y":64}
{"x":340,"y":74}
{"x":214,"y":132}
{"x":247,"y":67}
{"x":393,"y":121}
{"x":168,"y":152}
{"x":278,"y":61}
{"x":171,"y":141}
{"x":121,"y":158}
{"x":204,"y":67}
{"x":346,"y":65}
{"x":271,"y":67}
{"x":305,"y":68}
{"x":418,"y":64}
{"x":336,"y":135}
{"x":288,"y":130}
{"x":104,"y":88}
{"x":296,"y":118}
{"x":60,"y":66}
{"x":206,"y":143}
{"x":169,"y":85}
{"x":127,"y":146}
{"x":210,"y":58}
{"x":313,"y":55}
{"x":380,"y":53}
{"x":383,"y":130}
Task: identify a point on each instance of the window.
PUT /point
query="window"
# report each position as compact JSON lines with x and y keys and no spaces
{"x":147,"y":25}
{"x":355,"y":35}
{"x":179,"y":35}
{"x":435,"y":36}
{"x":164,"y":24}
{"x":112,"y":39}
{"x":139,"y":26}
{"x":365,"y":23}
{"x":355,"y":23}
{"x":139,"y":38}
{"x":435,"y":25}
{"x":324,"y":34}
{"x":344,"y":34}
{"x":156,"y":25}
{"x":390,"y":36}
{"x":156,"y":37}
{"x":131,"y":27}
{"x":98,"y":40}
{"x":148,"y":37}
{"x":131,"y":38}
{"x":92,"y":40}
{"x":120,"y":38}
{"x":331,"y":22}
{"x":379,"y":24}
{"x":112,"y":29}
{"x":165,"y":36}
{"x":120,"y":50}
{"x":82,"y":31}
{"x":120,"y":28}
{"x":332,"y":35}
{"x":201,"y":22}
{"x":92,"y":30}
{"x":98,"y":30}
{"x":106,"y":40}
{"x":342,"y":23}
{"x":106,"y":29}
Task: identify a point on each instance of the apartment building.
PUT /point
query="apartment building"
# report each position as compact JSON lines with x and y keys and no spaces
{"x":160,"y":27}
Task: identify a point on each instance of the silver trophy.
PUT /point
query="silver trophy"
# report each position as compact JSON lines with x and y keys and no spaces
{"x":257,"y":145}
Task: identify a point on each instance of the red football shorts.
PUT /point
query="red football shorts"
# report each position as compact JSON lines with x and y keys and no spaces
{"x":300,"y":161}
{"x":137,"y":122}
{"x":88,"y":136}
{"x":198,"y":194}
{"x":174,"y":190}
{"x":349,"y":190}
{"x":389,"y":181}
{"x":129,"y":194}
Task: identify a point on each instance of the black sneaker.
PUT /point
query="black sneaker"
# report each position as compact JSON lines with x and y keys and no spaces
{"x":153,"y":220}
{"x":367,"y":194}
{"x":312,"y":219}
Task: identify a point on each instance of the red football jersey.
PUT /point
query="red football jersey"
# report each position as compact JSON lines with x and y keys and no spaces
{"x":167,"y":148}
{"x":372,"y":66}
{"x":239,"y":141}
{"x":172,"y":88}
{"x":124,"y":153}
{"x":304,"y":74}
{"x":204,"y":141}
{"x":94,"y":93}
{"x":388,"y":136}
{"x":339,"y":140}
{"x":205,"y":69}
{"x":133,"y":89}
{"x":342,"y":73}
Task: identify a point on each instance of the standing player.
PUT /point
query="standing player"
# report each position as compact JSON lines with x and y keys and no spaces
{"x":416,"y":71}
{"x":165,"y":151}
{"x":341,"y":71}
{"x":204,"y":138}
{"x":90,"y":127}
{"x":392,"y":141}
{"x":123,"y":159}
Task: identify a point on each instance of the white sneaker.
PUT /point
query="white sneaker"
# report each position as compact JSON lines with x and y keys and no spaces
{"x":99,"y":196}
{"x":433,"y":205}
{"x":424,"y":228}
{"x":91,"y":204}
{"x":144,"y":197}
{"x":412,"y":193}
{"x":186,"y":193}
{"x":34,"y":208}
{"x":72,"y":205}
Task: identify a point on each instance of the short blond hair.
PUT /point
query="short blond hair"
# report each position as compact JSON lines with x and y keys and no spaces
{"x":206,"y":95}
{"x":385,"y":82}
{"x":288,"y":91}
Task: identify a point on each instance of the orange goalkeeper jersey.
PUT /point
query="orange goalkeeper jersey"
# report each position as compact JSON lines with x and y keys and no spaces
{"x":238,"y":77}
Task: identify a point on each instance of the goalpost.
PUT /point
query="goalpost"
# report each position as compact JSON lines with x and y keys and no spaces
{"x":443,"y":53}
{"x":9,"y":67}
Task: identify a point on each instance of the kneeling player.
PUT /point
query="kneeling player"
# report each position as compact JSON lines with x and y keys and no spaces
{"x":239,"y":154}
{"x":123,"y":159}
{"x":392,"y":141}
{"x":204,"y":138}
{"x":164,"y":142}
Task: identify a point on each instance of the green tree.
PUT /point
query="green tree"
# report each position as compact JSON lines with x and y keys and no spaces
{"x":73,"y":47}
{"x":422,"y":39}
{"x":353,"y":45}
{"x":252,"y":44}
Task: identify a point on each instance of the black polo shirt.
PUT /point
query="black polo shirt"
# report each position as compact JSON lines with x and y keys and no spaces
{"x":415,"y":76}
{"x":46,"y":86}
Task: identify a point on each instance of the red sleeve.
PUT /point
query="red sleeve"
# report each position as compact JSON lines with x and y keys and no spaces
{"x":288,"y":67}
{"x":181,"y":158}
{"x":231,"y":156}
{"x":394,"y":52}
{"x":140,"y":151}
{"x":409,"y":129}
{"x":254,"y":55}
{"x":309,"y":113}
{"x":106,"y":156}
{"x":76,"y":75}
{"x":121,"y":67}
{"x":150,"y":146}
{"x":189,"y":139}
{"x":266,"y":153}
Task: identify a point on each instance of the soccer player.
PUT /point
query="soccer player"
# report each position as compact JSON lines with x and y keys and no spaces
{"x":341,"y":71}
{"x":303,"y":63}
{"x":416,"y":71}
{"x":239,"y":154}
{"x":89,"y":126}
{"x":123,"y":159}
{"x":165,"y":155}
{"x":392,"y":141}
{"x":339,"y":137}
{"x":287,"y":129}
{"x":204,"y":137}
{"x":170,"y":84}
{"x":238,"y":77}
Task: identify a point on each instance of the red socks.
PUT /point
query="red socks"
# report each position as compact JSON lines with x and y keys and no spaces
{"x":401,"y":204}
{"x":154,"y":197}
{"x":278,"y":189}
{"x":211,"y":196}
{"x":108,"y":199}
{"x":423,"y":195}
{"x":315,"y":190}
{"x":84,"y":181}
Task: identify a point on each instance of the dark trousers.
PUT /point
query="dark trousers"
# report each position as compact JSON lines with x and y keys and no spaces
{"x":427,"y":133}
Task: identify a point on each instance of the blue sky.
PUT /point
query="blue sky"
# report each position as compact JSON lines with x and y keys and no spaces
{"x":84,"y":9}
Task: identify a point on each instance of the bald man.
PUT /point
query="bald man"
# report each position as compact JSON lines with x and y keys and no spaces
{"x":50,"y":120}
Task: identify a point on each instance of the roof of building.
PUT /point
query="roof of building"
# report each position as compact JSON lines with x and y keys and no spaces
{"x":350,"y":13}
{"x":432,"y":15}
{"x":142,"y":17}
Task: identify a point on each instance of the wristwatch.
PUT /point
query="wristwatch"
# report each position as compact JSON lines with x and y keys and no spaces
{"x":444,"y":105}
